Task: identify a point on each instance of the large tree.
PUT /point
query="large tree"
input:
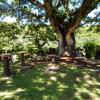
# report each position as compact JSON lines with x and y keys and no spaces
{"x":65,"y":17}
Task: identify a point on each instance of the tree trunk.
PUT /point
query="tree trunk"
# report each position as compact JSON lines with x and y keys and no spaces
{"x":70,"y":38}
{"x":22,"y":59}
{"x":60,"y":45}
{"x":66,"y":43}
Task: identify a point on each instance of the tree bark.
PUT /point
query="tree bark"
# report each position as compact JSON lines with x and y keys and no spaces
{"x":70,"y":40}
{"x":66,"y":43}
{"x":60,"y":45}
{"x":22,"y":59}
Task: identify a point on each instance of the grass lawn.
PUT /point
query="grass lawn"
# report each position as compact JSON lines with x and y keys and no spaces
{"x":69,"y":83}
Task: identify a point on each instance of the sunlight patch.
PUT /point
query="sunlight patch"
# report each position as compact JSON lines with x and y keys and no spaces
{"x":87,"y":77}
{"x":9,"y":94}
{"x":60,"y":90}
{"x":49,"y":83}
{"x":6,"y":94}
{"x":62,"y":75}
{"x":45,"y":97}
{"x":38,"y":80}
{"x":5,"y":78}
{"x":40,"y":89}
{"x":78,"y":79}
{"x":85,"y":92}
{"x":19,"y":90}
{"x":53,"y":78}
{"x":90,"y":82}
{"x":97,"y":91}
{"x":52,"y":68}
{"x":62,"y":86}
{"x":9,"y":82}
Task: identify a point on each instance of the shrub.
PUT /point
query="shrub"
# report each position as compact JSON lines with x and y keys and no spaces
{"x":90,"y":49}
{"x":97,"y":55}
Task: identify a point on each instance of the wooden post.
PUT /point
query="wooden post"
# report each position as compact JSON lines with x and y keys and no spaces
{"x":22,"y":58}
{"x":6,"y":59}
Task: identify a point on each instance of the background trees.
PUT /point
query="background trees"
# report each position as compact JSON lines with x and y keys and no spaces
{"x":31,"y":38}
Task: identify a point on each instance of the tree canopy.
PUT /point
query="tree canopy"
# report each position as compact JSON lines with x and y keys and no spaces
{"x":69,"y":12}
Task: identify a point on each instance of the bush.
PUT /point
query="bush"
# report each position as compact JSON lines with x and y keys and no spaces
{"x":97,"y":55}
{"x":90,"y":49}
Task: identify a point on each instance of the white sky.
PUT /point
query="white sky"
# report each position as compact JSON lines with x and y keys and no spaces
{"x":9,"y":19}
{"x":9,"y":1}
{"x":92,"y":14}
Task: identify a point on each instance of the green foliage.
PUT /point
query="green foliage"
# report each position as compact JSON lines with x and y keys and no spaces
{"x":8,"y":36}
{"x":97,"y":55}
{"x":39,"y":36}
{"x":90,"y":49}
{"x":95,"y":29}
{"x":35,"y":38}
{"x":88,"y":39}
{"x":31,"y":38}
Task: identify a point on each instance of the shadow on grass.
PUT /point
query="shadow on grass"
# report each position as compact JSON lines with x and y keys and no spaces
{"x":70,"y":83}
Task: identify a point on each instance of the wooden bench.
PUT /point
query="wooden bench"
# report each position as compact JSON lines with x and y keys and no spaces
{"x":79,"y":60}
{"x":89,"y":62}
{"x":66,"y":59}
{"x":85,"y":61}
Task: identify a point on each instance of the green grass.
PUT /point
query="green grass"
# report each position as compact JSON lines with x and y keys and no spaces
{"x":70,"y":83}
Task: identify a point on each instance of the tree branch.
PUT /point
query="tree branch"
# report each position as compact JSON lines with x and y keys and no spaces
{"x":51,"y":15}
{"x":85,"y":8}
{"x":95,"y":19}
{"x":29,"y":13}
